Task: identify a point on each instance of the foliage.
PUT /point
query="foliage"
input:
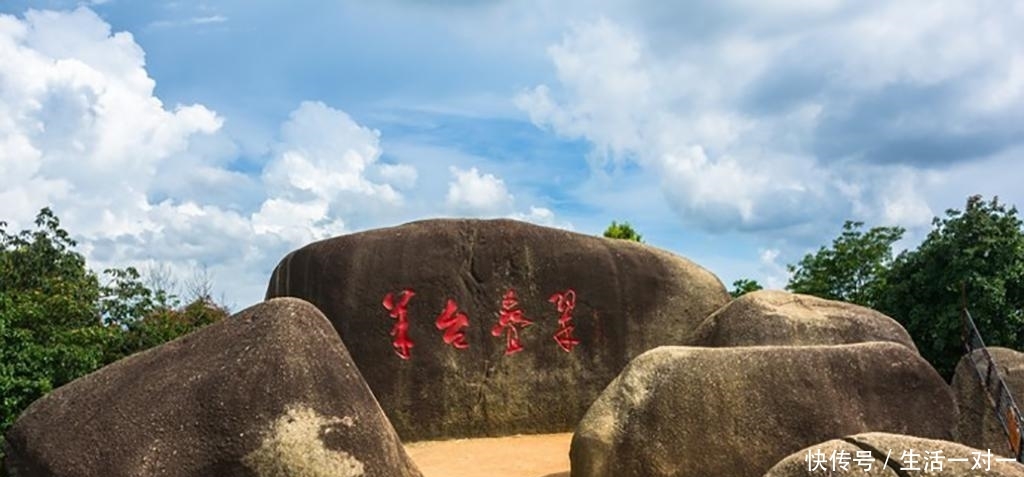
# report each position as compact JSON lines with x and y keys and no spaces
{"x":58,"y":322}
{"x":743,"y":286}
{"x":622,"y":231}
{"x":49,"y":327}
{"x":165,"y":324}
{"x":980,"y":248}
{"x":853,"y":269}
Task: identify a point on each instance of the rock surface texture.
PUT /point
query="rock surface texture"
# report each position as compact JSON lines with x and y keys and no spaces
{"x":681,"y":411}
{"x":778,"y":318}
{"x":977,"y":425}
{"x":495,"y":327}
{"x":908,"y":457}
{"x":269,"y":392}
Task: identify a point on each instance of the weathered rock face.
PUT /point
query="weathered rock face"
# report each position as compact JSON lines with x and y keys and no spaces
{"x":977,"y":425}
{"x":910,"y":456}
{"x":778,"y":318}
{"x":680,"y":411}
{"x":269,"y":392}
{"x":455,"y":355}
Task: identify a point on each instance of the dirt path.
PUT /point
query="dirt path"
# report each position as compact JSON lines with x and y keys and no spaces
{"x":542,"y":455}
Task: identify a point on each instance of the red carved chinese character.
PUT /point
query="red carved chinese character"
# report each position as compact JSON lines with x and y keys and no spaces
{"x":510,"y":318}
{"x":565,"y":303}
{"x":400,"y":331}
{"x":452,"y":322}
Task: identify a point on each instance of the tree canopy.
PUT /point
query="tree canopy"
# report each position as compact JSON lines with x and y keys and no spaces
{"x":743,"y":286}
{"x":852,"y":269}
{"x":981,"y":249}
{"x":622,"y":231}
{"x":59,"y":321}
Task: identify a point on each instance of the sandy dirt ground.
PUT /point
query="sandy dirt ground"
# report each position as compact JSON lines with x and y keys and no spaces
{"x":542,"y":455}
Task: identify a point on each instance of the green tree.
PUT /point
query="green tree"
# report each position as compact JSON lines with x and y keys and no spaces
{"x":59,"y":322}
{"x":980,"y":248}
{"x":149,"y":316}
{"x":50,"y":327}
{"x":853,"y":269}
{"x":622,"y":231}
{"x":743,"y":286}
{"x":165,"y":324}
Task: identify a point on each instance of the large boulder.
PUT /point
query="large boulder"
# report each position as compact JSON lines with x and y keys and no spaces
{"x":269,"y":392}
{"x":865,"y":455}
{"x":681,"y":411}
{"x":495,"y":327}
{"x":768,"y":317}
{"x":977,"y":425}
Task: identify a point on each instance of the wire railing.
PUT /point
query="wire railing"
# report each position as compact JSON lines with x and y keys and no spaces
{"x":1006,"y":410}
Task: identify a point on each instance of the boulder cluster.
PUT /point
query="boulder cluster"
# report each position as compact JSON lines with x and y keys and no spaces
{"x":781,"y":384}
{"x":442,"y":329}
{"x":514,"y":290}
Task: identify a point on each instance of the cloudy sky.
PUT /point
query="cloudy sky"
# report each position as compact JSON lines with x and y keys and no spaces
{"x":738,"y":133}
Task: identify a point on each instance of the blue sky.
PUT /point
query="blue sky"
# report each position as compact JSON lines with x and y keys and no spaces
{"x":738,"y":133}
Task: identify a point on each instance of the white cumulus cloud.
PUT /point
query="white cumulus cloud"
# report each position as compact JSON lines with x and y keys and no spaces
{"x":325,"y":155}
{"x":474,"y":193}
{"x":78,"y":116}
{"x":402,"y":176}
{"x":833,"y":110}
{"x":542,"y":216}
{"x":142,"y":183}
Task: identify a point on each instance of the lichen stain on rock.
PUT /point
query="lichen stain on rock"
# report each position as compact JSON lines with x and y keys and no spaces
{"x":293,"y":448}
